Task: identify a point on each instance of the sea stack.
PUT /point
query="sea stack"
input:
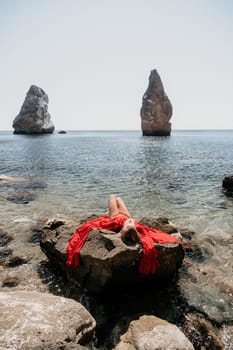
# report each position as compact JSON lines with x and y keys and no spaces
{"x":33,"y":117}
{"x":156,"y":110}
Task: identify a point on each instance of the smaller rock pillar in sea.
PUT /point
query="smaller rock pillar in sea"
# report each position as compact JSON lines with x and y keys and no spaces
{"x":34,"y":117}
{"x":156,"y":110}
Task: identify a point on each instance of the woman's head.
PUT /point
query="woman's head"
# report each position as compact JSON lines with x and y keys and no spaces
{"x":129,"y":231}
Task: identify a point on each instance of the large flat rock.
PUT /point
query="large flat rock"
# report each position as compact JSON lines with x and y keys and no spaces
{"x":106,"y":261}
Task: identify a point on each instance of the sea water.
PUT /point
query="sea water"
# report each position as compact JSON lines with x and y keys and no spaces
{"x":179,"y":177}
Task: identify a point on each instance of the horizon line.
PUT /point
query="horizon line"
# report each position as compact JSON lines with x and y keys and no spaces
{"x":67,"y":130}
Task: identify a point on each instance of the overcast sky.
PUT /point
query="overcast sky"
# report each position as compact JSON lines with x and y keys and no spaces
{"x":93,"y":59}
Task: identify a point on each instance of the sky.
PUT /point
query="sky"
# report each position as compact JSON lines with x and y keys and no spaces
{"x":93,"y":58}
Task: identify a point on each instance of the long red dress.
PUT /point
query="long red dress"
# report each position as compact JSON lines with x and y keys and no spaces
{"x":149,"y":260}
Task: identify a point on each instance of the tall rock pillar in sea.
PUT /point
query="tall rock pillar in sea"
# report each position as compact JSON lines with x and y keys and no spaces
{"x":156,"y":110}
{"x":34,"y":117}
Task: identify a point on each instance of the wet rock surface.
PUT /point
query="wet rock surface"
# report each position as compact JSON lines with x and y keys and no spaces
{"x":206,"y":292}
{"x":201,"y":333}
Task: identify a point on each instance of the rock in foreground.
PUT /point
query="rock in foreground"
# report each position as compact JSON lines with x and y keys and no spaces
{"x":33,"y":117}
{"x":33,"y":319}
{"x":156,"y":110}
{"x":152,"y":333}
{"x":106,"y":261}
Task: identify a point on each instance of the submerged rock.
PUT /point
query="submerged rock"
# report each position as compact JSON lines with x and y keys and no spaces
{"x":36,"y":236}
{"x":106,"y":261}
{"x":4,"y":255}
{"x":4,"y":238}
{"x":21,"y":197}
{"x":201,"y":333}
{"x":20,"y":182}
{"x":34,"y":117}
{"x":32,"y":320}
{"x":10,"y":282}
{"x":156,"y":110}
{"x":17,"y":260}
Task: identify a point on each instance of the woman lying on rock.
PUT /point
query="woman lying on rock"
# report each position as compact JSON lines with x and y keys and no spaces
{"x":120,"y":220}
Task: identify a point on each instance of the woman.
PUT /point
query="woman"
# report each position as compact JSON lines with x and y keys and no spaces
{"x":120,"y":220}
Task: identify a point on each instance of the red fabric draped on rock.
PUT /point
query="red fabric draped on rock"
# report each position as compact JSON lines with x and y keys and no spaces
{"x":149,"y":236}
{"x":149,"y":260}
{"x":79,"y":237}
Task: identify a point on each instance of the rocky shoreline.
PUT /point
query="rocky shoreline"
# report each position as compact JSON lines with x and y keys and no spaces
{"x":114,"y":315}
{"x":153,"y":314}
